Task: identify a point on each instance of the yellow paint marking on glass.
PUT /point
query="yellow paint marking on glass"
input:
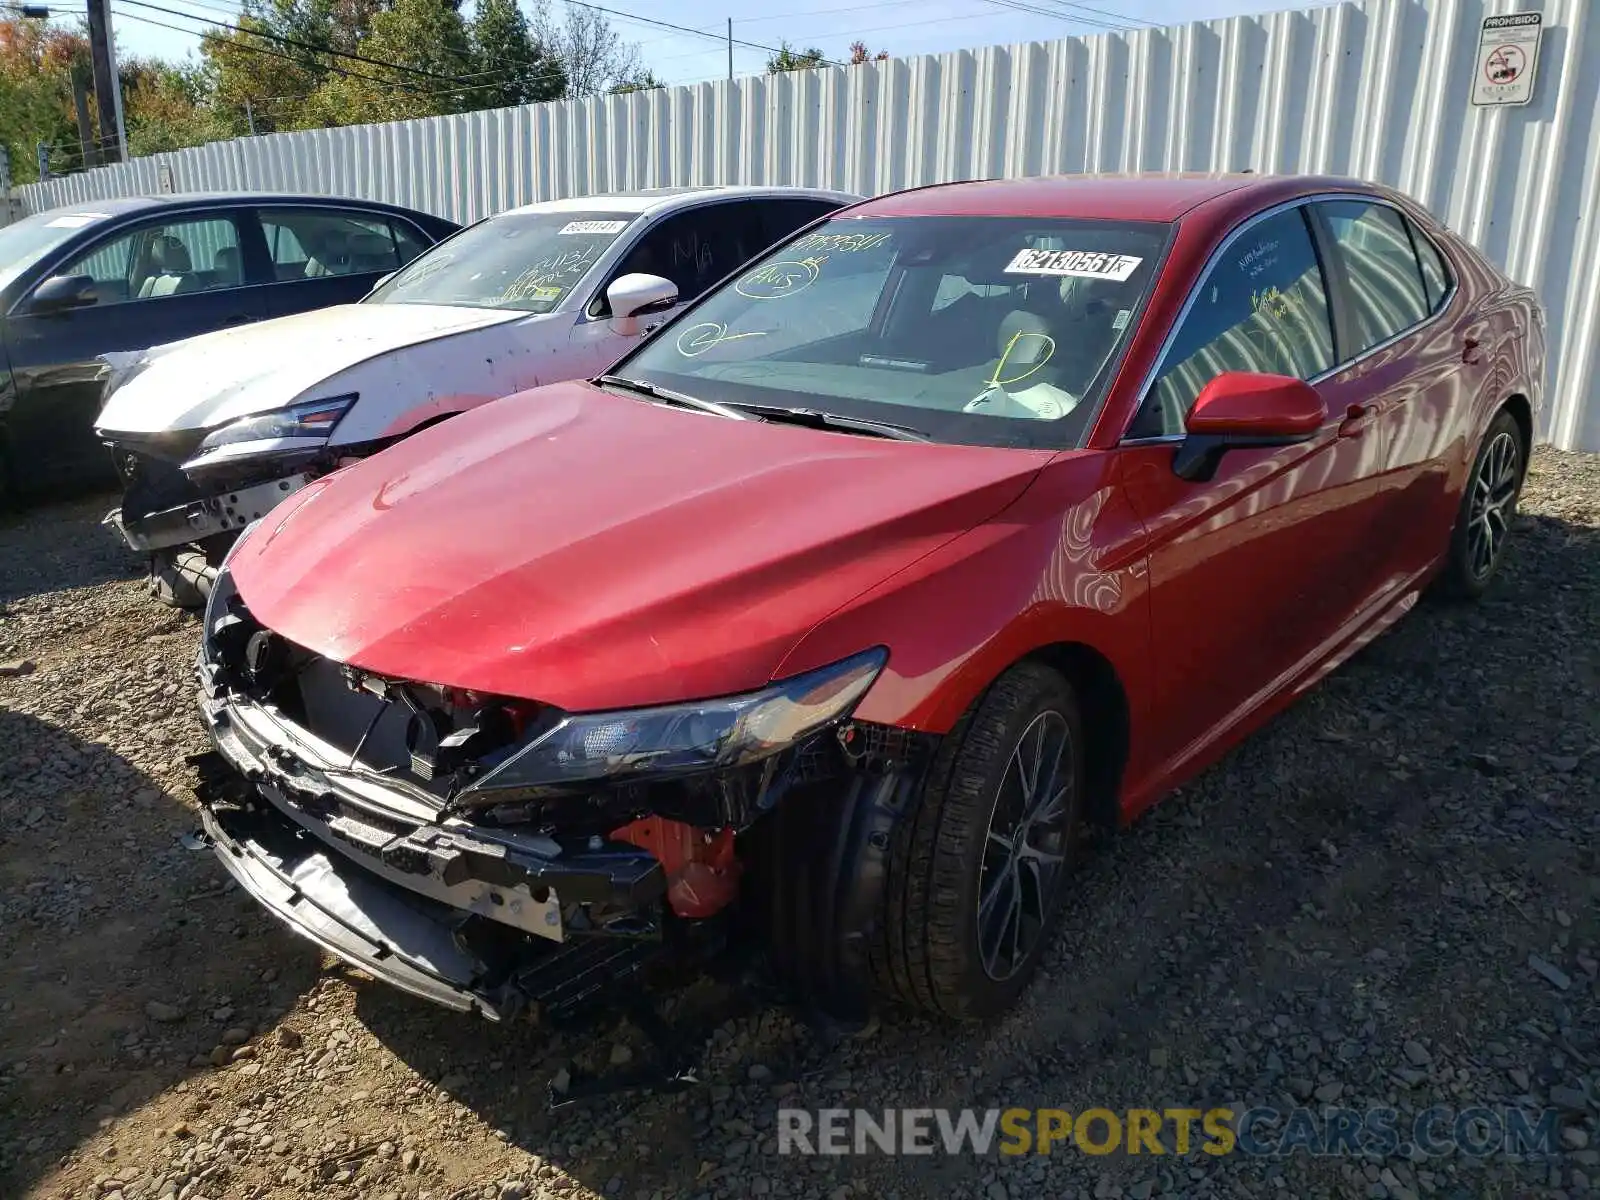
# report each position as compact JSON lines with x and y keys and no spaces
{"x":995,"y":380}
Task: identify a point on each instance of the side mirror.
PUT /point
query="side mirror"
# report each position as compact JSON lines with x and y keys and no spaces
{"x":1238,"y":410}
{"x":62,"y":292}
{"x":380,"y":281}
{"x":634,"y":296}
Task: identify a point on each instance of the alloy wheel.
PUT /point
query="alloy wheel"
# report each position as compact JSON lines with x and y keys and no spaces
{"x":1025,"y":846}
{"x":1494,"y":495}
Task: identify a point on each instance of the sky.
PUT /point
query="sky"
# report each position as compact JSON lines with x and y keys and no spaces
{"x":902,"y":27}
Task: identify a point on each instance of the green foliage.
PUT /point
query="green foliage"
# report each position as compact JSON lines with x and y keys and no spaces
{"x":36,"y":94}
{"x":789,"y":59}
{"x":285,"y":66}
{"x":643,"y":82}
{"x":510,"y":65}
{"x":427,"y":36}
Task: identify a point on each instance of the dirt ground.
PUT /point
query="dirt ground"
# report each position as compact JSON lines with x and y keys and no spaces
{"x":1389,"y":897}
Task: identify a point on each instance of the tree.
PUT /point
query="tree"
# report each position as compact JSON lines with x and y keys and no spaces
{"x":593,"y":55}
{"x":860,"y":54}
{"x":644,"y":82}
{"x":427,"y":36}
{"x":276,"y":77}
{"x":505,"y":53}
{"x":166,"y":106}
{"x":36,"y":61}
{"x":787,"y":59}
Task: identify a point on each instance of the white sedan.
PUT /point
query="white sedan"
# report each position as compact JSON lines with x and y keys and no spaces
{"x":210,"y":432}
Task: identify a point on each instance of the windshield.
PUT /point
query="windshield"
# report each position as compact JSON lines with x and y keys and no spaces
{"x":23,"y":243}
{"x":526,"y":261}
{"x":990,"y":330}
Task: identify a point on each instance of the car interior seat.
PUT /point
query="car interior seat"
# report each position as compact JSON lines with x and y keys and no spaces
{"x":331,"y":256}
{"x":370,"y":252}
{"x":175,"y":272}
{"x":226,"y":267}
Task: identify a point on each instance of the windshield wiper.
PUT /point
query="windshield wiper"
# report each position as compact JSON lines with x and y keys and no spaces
{"x":815,"y":419}
{"x":666,"y":396}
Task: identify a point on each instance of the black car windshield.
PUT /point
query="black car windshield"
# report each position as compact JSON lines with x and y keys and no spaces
{"x":24,"y":243}
{"x":526,"y":261}
{"x":988,"y":330}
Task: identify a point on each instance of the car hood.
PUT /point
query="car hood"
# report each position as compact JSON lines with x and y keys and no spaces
{"x":204,"y":381}
{"x":594,"y":551}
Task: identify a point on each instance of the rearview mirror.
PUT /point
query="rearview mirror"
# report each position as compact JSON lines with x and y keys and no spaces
{"x":61,"y":292}
{"x":633,"y":296}
{"x":1240,"y":409}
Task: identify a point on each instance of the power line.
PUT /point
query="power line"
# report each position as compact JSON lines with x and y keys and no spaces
{"x":412,"y":89}
{"x":312,"y":47}
{"x":716,"y":37}
{"x":345,"y":71}
{"x":502,"y":70}
{"x":1037,"y":10}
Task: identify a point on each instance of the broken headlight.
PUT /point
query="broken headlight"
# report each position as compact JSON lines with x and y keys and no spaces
{"x":679,"y":739}
{"x":316,"y":418}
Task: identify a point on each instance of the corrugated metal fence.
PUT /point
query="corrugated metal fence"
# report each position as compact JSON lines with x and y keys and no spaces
{"x":1377,"y":89}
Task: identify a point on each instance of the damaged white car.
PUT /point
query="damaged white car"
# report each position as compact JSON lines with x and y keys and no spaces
{"x":210,"y":432}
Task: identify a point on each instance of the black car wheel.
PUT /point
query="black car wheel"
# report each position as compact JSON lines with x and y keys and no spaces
{"x":978,"y":870}
{"x":1488,"y":508}
{"x":181,"y":577}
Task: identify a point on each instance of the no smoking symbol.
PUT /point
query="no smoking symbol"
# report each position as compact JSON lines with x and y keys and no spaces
{"x":1504,"y":64}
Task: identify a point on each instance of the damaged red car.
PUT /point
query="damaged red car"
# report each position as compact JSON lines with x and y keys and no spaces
{"x":971,"y":519}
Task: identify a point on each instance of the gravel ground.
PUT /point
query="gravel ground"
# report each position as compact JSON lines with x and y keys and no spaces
{"x":1389,"y":897}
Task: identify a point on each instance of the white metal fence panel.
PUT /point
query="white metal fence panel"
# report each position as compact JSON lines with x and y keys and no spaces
{"x":1376,"y":88}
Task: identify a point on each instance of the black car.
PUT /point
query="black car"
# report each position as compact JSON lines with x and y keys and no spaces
{"x":119,"y":275}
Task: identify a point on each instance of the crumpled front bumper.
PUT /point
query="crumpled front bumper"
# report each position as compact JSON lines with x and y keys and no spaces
{"x":400,"y":939}
{"x":196,"y":520}
{"x":474,"y":918}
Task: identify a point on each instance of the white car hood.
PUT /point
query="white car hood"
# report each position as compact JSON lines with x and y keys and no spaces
{"x":204,"y":381}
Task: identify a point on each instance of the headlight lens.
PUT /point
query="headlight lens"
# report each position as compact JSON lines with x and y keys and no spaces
{"x":316,"y":418}
{"x":679,"y":739}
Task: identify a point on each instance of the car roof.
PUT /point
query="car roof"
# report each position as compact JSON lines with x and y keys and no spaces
{"x":660,"y":199}
{"x":124,"y":205}
{"x":1149,"y":196}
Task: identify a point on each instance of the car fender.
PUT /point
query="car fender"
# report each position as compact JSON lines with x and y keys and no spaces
{"x":1045,"y":572}
{"x":405,"y":389}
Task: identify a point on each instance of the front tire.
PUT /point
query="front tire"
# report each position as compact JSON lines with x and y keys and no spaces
{"x":1488,"y":508}
{"x":978,"y":869}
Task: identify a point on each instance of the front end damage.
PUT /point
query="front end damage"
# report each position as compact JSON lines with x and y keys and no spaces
{"x":196,"y":490}
{"x":497,"y":855}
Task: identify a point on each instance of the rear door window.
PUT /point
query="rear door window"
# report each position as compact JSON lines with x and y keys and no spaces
{"x":1436,"y":277}
{"x":780,"y":218}
{"x":312,"y":243}
{"x":1262,"y":307}
{"x":1385,"y":279}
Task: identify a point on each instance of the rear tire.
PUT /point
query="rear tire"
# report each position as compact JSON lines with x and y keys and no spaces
{"x":1488,"y":509}
{"x":978,"y":869}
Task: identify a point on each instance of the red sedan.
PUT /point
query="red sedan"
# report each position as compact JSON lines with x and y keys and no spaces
{"x":968,"y":519}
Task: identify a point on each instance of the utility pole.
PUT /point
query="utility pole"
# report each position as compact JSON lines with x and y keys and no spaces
{"x":730,"y":49}
{"x":80,"y":107}
{"x":107,"y":91}
{"x":43,"y":149}
{"x":250,"y":116}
